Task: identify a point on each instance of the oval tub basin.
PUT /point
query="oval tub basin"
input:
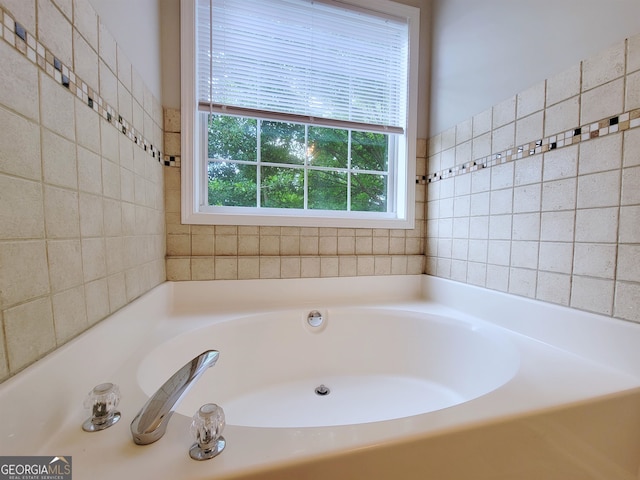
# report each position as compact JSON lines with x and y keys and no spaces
{"x":376,"y":364}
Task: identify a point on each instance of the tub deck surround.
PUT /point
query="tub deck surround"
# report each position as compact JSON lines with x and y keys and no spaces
{"x":572,"y":409}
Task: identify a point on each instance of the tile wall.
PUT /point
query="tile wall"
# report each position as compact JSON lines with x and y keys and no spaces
{"x":81,"y":184}
{"x":196,"y":252}
{"x":539,"y":196}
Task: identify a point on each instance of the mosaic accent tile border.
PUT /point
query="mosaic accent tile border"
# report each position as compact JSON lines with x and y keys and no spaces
{"x":26,"y":43}
{"x":619,"y":123}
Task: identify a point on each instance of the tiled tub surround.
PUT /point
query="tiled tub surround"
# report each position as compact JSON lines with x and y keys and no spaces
{"x":81,"y":184}
{"x":197,"y":252}
{"x":539,"y":195}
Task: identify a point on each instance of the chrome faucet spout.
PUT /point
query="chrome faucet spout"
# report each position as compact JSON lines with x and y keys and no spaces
{"x":151,"y":421}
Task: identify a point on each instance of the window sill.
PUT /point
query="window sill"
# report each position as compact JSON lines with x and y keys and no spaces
{"x":304,"y":219}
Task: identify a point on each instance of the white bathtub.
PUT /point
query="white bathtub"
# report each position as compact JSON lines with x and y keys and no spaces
{"x":514,"y":388}
{"x":378,"y":364}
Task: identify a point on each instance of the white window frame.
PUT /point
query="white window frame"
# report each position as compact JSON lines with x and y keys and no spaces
{"x":193,"y":171}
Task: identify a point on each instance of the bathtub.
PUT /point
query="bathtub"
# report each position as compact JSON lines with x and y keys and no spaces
{"x":426,"y":378}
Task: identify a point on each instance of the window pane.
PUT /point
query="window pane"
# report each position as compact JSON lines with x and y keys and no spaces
{"x":232,"y":138}
{"x":368,"y":193}
{"x":282,"y":142}
{"x":328,"y":147}
{"x":369,"y":151}
{"x":327,"y":190}
{"x":282,"y":187}
{"x":231,"y":184}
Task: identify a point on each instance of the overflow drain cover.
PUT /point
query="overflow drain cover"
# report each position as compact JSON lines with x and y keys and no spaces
{"x":322,"y":390}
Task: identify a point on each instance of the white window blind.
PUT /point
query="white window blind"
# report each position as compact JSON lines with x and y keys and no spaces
{"x":318,"y":61}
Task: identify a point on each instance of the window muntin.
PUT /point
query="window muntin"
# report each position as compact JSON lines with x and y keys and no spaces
{"x":392,"y":208}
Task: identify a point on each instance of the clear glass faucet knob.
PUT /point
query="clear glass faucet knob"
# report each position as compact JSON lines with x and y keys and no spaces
{"x":102,"y":401}
{"x":206,"y":427}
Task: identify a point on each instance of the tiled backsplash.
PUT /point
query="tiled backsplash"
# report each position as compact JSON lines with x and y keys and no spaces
{"x":197,"y":252}
{"x":539,"y":195}
{"x":81,"y":185}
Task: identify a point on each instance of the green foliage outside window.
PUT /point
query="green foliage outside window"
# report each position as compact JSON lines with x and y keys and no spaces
{"x":333,"y":165}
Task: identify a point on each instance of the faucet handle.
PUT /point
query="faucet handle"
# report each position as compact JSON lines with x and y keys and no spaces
{"x":102,"y":400}
{"x":207,"y":425}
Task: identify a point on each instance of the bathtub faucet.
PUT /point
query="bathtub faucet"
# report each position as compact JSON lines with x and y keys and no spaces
{"x":151,"y":421}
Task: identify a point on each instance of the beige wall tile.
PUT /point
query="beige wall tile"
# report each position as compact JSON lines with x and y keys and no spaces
{"x":85,"y":20}
{"x":69,"y":314}
{"x":202,"y":268}
{"x":555,"y":257}
{"x":560,"y":164}
{"x":24,"y":273}
{"x":564,"y":85}
{"x":632,"y":94}
{"x":4,"y":365}
{"x":114,"y":251}
{"x":19,"y":80}
{"x":503,"y":138}
{"x":557,"y":226}
{"x":497,"y":278}
{"x":504,"y":112}
{"x":347,"y":266}
{"x":87,"y":126}
{"x":531,"y":100}
{"x":528,"y":170}
{"x":29,"y":332}
{"x":110,"y":179}
{"x":599,"y":189}
{"x":107,"y":46}
{"x":94,"y":263}
{"x":604,"y":67}
{"x":562,"y":117}
{"x":62,"y":217}
{"x":85,"y":60}
{"x":629,"y":224}
{"x":65,"y":264}
{"x":290,"y":267}
{"x":477,"y":274}
{"x":630,"y":186}
{"x":226,"y":268}
{"x":554,"y":288}
{"x":597,"y":225}
{"x":600,"y":154}
{"x":529,"y":129}
{"x":559,"y":195}
{"x":248,"y":267}
{"x":59,"y":164}
{"x":23,"y":11}
{"x":627,"y":299}
{"x":20,"y":140}
{"x":108,"y":84}
{"x":329,"y":266}
{"x":21,"y":211}
{"x":522,"y":282}
{"x":594,"y":260}
{"x":602,"y":102}
{"x":54,"y":31}
{"x":97,"y":300}
{"x":124,"y":68}
{"x":310,"y":267}
{"x":592,"y":294}
{"x":125,"y":102}
{"x":177,"y":269}
{"x":57,"y":108}
{"x":482,"y":122}
{"x":91,"y":215}
{"x":89,"y":171}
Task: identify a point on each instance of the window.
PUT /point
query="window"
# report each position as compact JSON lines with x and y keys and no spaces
{"x":299,"y":112}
